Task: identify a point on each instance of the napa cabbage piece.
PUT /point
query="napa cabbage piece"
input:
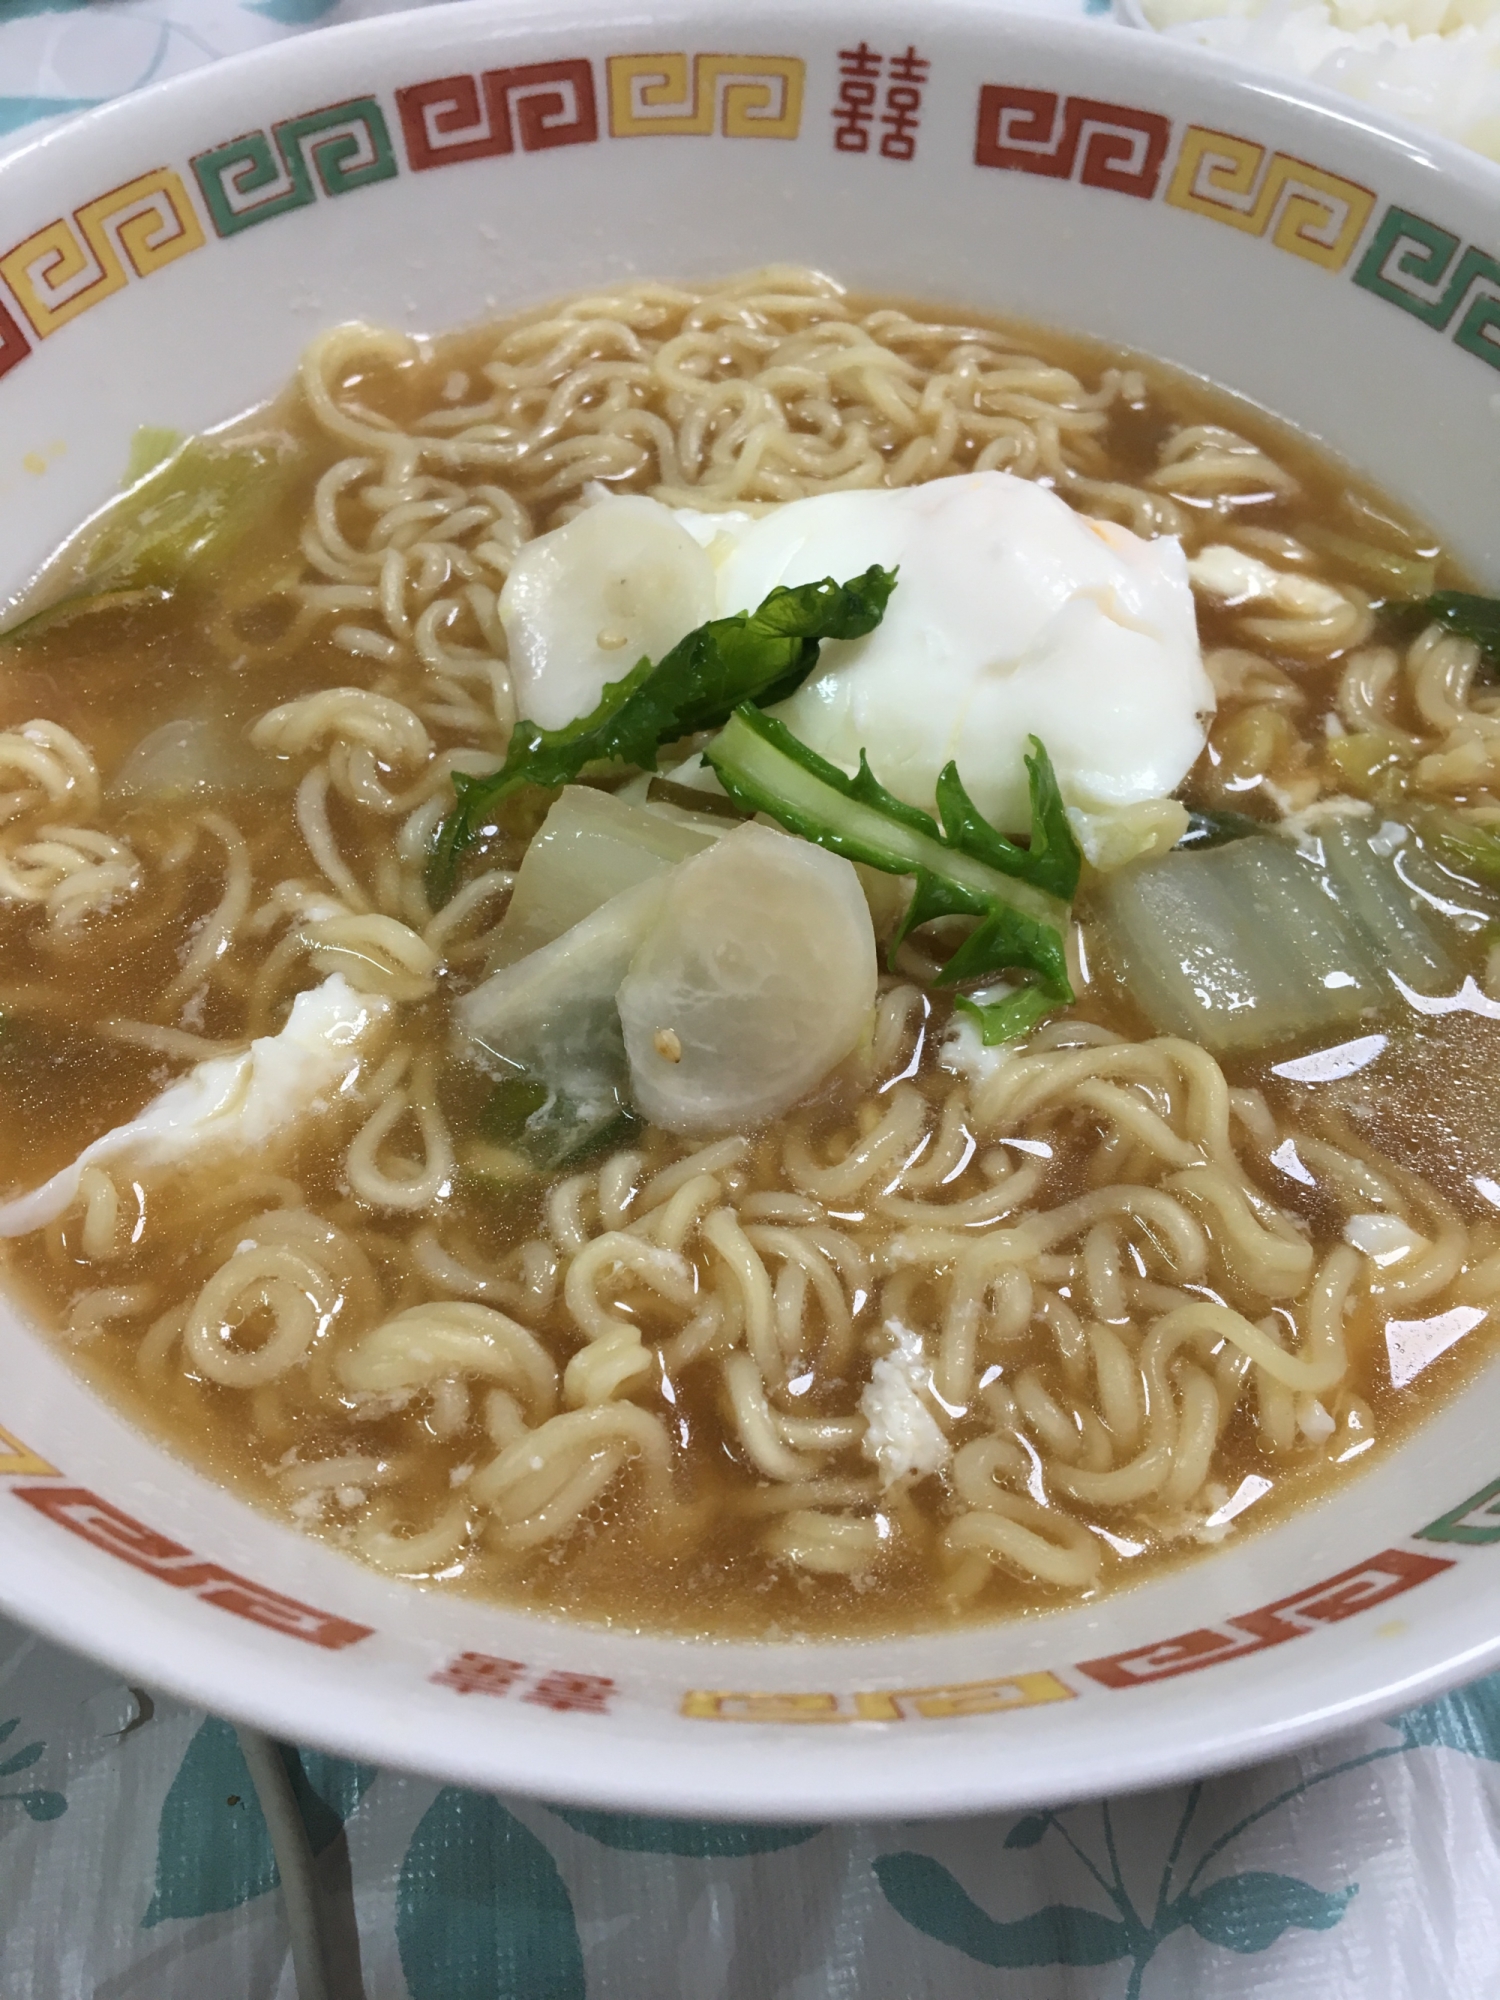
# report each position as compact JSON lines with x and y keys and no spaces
{"x":1360,"y":862}
{"x":549,"y":1022}
{"x":1258,"y":943}
{"x":1114,"y":839}
{"x":590,"y":848}
{"x":187,"y":512}
{"x":755,"y":980}
{"x":175,"y":523}
{"x":151,"y":446}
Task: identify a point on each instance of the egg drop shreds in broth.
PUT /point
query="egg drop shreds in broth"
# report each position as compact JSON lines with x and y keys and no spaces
{"x":728,"y":1490}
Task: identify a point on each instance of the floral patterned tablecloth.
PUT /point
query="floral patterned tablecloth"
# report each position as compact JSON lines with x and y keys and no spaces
{"x":135,"y":1864}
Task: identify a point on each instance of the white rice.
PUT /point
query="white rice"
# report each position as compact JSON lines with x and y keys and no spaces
{"x":1435,"y":62}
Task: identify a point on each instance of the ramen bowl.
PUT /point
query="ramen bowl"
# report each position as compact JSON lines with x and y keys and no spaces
{"x":165,"y":261}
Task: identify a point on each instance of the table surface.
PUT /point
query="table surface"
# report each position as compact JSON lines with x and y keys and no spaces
{"x":1365,"y":1869}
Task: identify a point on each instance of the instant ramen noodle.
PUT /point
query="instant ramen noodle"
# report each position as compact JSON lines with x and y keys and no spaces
{"x":741,"y":959}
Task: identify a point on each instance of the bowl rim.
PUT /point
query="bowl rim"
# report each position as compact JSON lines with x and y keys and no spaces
{"x":634,"y":1776}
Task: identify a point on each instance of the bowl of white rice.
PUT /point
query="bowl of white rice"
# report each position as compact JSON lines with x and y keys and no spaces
{"x":1433,"y":62}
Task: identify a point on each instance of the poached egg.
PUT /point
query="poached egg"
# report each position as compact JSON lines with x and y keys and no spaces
{"x":1013,"y":617}
{"x":228,"y":1103}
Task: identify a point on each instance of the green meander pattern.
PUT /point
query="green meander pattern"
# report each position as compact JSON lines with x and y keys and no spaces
{"x":346,"y":146}
{"x":1415,"y":264}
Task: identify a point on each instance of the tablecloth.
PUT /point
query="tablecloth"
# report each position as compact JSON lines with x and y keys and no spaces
{"x":135,"y":1863}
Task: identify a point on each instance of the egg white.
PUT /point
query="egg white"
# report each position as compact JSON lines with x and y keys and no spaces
{"x":1013,"y":617}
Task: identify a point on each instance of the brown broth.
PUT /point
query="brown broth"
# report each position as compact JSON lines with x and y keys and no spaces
{"x":1431,"y":1101}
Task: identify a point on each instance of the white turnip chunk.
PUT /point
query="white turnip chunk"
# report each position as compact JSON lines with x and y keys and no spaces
{"x":620,"y":583}
{"x":591,"y":847}
{"x":756,"y":979}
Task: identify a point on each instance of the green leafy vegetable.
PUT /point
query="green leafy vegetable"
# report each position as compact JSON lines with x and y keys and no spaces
{"x":1016,"y":1015}
{"x":549,"y":1129}
{"x":1216,"y":829}
{"x":177,"y":521}
{"x":662,"y":791}
{"x":1463,"y":612}
{"x":152,"y":445}
{"x":512,"y":1101}
{"x":1469,"y":849}
{"x":765,"y":768}
{"x":1052,"y":860}
{"x":962,"y":867}
{"x":762,"y":655}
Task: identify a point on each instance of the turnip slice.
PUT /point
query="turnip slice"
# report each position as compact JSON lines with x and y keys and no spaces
{"x":591,"y":847}
{"x":620,"y":583}
{"x":551,"y":1018}
{"x":755,"y":980}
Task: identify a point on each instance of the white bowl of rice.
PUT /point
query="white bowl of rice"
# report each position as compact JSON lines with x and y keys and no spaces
{"x":745,"y":967}
{"x":1435,"y":63}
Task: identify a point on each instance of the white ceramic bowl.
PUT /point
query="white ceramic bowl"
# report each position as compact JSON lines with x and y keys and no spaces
{"x":174,"y":252}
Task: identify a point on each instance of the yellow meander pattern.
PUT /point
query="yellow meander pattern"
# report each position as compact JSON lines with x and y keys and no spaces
{"x":880,"y":1704}
{"x":145,"y":224}
{"x":748,"y":97}
{"x":1318,"y":215}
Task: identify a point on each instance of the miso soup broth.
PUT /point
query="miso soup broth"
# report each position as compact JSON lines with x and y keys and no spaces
{"x":487,"y":1072}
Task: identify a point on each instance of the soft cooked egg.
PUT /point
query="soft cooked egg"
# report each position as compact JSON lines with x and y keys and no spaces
{"x":1233,"y":578}
{"x":622,"y":582}
{"x":238,"y":1103}
{"x":1012,"y":617}
{"x":902,"y":1437}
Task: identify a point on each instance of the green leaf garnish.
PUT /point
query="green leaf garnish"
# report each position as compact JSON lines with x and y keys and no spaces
{"x":1463,"y":612}
{"x":662,"y":791}
{"x":1007,"y":1020}
{"x":761,"y":655}
{"x":1215,"y":829}
{"x":1470,"y":850}
{"x":513,"y":1100}
{"x":548,"y":1128}
{"x":1050,"y":862}
{"x":962,"y":867}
